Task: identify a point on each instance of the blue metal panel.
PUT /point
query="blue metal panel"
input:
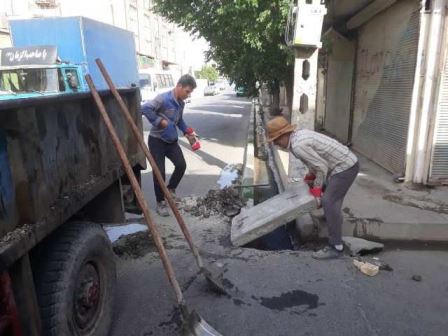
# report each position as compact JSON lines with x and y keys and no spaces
{"x":116,"y":48}
{"x":80,"y":41}
{"x":65,"y":33}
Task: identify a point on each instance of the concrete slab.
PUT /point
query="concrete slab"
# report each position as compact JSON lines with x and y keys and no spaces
{"x":361,"y":246}
{"x":265,"y":217}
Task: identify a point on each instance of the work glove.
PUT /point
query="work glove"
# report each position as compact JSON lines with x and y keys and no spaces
{"x":190,"y":131}
{"x":309,"y":179}
{"x":316,"y":192}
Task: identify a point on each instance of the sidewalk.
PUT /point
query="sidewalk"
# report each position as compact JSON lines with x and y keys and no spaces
{"x":378,"y":207}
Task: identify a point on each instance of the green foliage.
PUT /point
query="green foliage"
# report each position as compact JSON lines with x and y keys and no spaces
{"x":246,"y":37}
{"x":208,"y":72}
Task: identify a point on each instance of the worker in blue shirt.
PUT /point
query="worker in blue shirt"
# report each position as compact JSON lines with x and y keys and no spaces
{"x":165,"y":113}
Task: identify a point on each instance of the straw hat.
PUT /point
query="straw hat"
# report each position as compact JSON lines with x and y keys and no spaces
{"x":278,"y":126}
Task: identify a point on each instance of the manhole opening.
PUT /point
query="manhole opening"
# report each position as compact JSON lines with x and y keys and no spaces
{"x":282,"y":238}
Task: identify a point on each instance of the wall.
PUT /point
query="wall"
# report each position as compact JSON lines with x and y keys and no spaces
{"x":341,"y":58}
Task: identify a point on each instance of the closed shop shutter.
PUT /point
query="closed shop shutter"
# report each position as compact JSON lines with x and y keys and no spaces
{"x":386,"y":61}
{"x":439,"y":162}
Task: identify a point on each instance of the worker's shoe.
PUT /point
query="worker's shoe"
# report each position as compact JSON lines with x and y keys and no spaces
{"x":162,"y":209}
{"x":174,"y":196}
{"x":328,"y":252}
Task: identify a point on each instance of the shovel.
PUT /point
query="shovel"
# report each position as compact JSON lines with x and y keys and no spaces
{"x":193,"y":324}
{"x":214,"y":283}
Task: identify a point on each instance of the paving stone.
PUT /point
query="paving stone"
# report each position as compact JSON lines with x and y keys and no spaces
{"x":265,"y":217}
{"x":361,"y":246}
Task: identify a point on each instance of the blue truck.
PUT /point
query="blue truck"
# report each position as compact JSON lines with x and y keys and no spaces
{"x":60,"y":175}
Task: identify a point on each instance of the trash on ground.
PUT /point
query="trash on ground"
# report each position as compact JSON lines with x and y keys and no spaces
{"x":359,"y":246}
{"x":417,"y":278}
{"x":384,"y":266}
{"x":229,"y":175}
{"x":366,"y":268}
{"x":116,"y":231}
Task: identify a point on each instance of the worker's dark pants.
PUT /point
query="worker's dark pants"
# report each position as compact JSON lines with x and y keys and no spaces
{"x":337,"y":187}
{"x":159,"y":150}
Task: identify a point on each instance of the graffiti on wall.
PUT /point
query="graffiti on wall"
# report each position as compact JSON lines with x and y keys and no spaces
{"x":383,"y":97}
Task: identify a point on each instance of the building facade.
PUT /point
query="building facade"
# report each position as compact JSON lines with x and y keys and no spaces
{"x":159,"y":44}
{"x":383,"y":84}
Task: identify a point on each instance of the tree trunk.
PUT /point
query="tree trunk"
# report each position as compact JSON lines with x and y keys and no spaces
{"x":289,"y":84}
{"x":275,"y":92}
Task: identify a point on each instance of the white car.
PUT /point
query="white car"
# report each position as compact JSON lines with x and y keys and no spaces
{"x":210,"y":90}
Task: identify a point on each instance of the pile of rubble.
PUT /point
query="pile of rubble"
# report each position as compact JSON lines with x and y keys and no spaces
{"x":226,"y":202}
{"x":134,"y":245}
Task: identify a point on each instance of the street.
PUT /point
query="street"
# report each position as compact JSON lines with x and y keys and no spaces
{"x":284,"y":293}
{"x":221,"y":123}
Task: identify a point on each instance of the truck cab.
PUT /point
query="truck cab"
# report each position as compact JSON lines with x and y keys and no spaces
{"x":25,"y":77}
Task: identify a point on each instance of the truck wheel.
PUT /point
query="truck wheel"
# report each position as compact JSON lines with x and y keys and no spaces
{"x":75,"y":281}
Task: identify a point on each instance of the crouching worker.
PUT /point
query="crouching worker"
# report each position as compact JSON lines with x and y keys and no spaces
{"x":165,"y":113}
{"x":328,"y":161}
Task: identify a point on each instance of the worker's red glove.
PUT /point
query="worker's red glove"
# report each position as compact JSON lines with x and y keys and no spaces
{"x":310,"y":177}
{"x":190,"y":131}
{"x":316,"y":192}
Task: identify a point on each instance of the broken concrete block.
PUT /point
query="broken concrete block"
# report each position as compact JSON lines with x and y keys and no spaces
{"x":265,"y":217}
{"x":366,"y":268}
{"x":361,"y":246}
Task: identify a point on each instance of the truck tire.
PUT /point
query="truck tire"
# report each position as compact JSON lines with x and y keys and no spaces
{"x":75,"y":281}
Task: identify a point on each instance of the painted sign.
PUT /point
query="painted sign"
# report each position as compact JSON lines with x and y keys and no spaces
{"x":38,"y":55}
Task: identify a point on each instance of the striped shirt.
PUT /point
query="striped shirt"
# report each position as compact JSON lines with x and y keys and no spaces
{"x":322,"y":155}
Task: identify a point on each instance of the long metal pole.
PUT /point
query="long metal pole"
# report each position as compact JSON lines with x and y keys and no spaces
{"x":138,"y":193}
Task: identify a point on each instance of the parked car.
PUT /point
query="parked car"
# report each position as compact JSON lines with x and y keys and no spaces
{"x":210,"y":90}
{"x":241,"y":91}
{"x":221,"y":84}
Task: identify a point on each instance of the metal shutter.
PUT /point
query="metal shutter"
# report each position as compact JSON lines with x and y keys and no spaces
{"x":383,"y":115}
{"x":439,"y":162}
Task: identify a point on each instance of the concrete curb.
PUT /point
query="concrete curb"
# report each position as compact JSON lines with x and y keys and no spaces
{"x":425,"y":232}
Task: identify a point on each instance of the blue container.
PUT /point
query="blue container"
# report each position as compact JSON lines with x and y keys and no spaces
{"x":80,"y":41}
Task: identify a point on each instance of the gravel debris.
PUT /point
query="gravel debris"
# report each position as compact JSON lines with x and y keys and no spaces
{"x":227,"y":202}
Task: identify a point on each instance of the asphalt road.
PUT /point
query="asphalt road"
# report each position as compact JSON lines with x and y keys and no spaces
{"x":272,"y":293}
{"x":221,"y":122}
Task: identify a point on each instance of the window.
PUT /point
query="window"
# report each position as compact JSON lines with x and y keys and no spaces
{"x":30,"y":80}
{"x":145,"y":81}
{"x":72,"y":79}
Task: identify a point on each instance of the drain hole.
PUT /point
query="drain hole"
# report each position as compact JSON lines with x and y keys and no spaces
{"x":277,"y":240}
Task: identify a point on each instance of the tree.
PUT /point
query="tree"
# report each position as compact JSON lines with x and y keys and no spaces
{"x":209,"y":73}
{"x":246,"y":37}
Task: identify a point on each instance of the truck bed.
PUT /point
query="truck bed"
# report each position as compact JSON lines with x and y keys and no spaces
{"x":60,"y":158}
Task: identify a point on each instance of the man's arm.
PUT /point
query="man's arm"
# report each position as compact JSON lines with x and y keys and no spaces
{"x":315,"y":163}
{"x":181,"y":124}
{"x":150,"y":111}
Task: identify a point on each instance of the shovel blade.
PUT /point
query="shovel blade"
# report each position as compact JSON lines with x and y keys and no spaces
{"x":195,"y":325}
{"x":215,"y":283}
